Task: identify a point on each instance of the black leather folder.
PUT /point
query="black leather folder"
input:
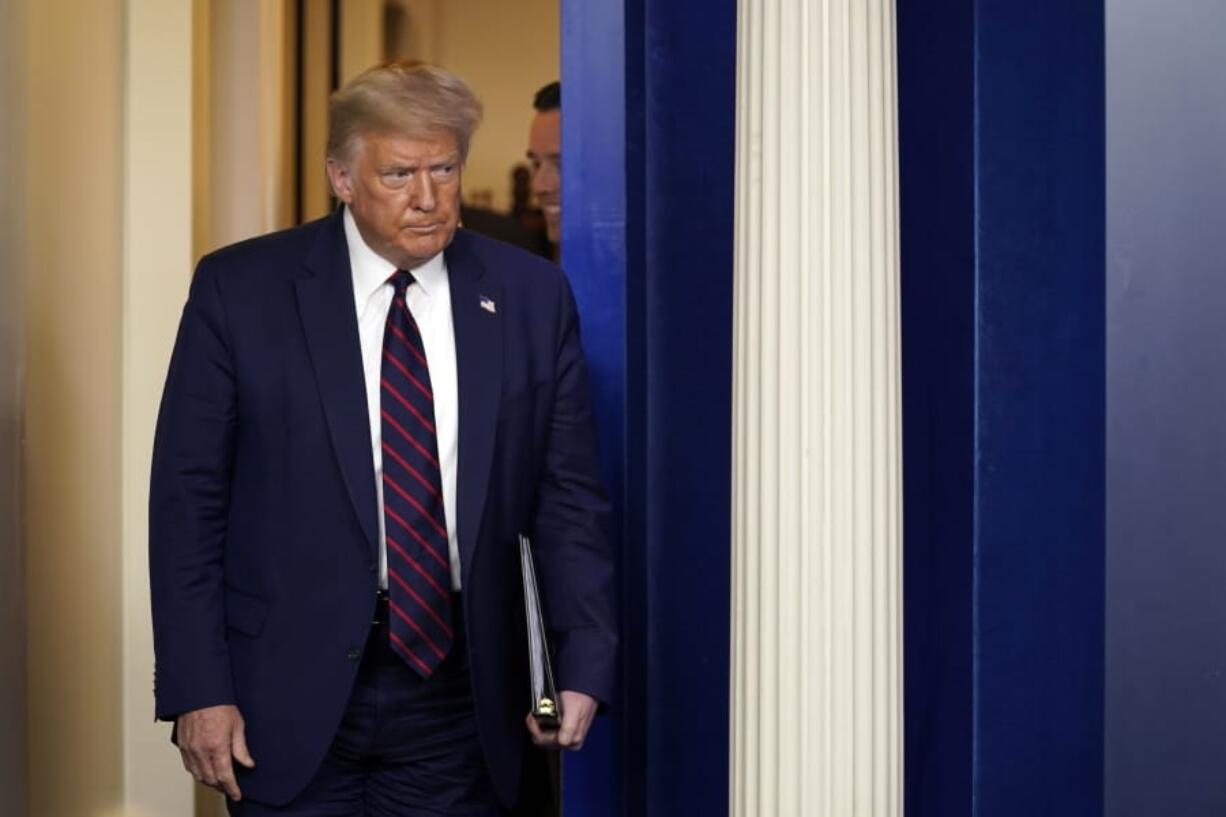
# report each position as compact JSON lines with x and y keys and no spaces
{"x":546,"y":707}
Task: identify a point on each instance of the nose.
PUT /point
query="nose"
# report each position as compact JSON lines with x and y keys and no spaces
{"x":422,"y":196}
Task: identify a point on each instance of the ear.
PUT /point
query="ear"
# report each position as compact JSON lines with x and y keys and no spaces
{"x":340,"y":176}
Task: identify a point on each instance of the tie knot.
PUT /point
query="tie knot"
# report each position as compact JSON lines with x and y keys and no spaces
{"x":401,"y":280}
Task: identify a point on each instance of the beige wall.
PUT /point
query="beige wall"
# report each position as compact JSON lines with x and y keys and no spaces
{"x":247,"y":76}
{"x":361,"y":36}
{"x":316,"y":84}
{"x":157,"y":259}
{"x":12,"y":551}
{"x":73,"y":274}
{"x":506,"y":51}
{"x":96,"y":240}
{"x":235,"y":136}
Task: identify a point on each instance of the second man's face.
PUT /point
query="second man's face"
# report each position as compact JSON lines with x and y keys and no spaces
{"x":545,"y":153}
{"x":404,"y":193}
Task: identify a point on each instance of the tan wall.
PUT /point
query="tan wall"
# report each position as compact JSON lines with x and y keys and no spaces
{"x":316,"y":85}
{"x":506,"y":51}
{"x":102,"y":262}
{"x":12,"y":550}
{"x":235,"y":136}
{"x":244,"y":68}
{"x":73,"y":276}
{"x":157,"y":262}
{"x":361,"y":36}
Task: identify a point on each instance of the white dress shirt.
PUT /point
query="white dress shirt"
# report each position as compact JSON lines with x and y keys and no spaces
{"x":430,"y":304}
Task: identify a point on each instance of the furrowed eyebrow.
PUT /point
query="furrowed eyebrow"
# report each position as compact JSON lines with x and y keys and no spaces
{"x":398,"y":168}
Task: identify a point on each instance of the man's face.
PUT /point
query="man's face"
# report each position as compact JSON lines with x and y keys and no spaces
{"x":545,"y":154}
{"x":404,"y":194}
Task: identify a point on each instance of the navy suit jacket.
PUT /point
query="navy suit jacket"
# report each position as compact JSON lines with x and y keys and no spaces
{"x":263,"y":519}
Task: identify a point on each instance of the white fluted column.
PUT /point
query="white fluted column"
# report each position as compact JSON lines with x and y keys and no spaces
{"x":816,"y":621}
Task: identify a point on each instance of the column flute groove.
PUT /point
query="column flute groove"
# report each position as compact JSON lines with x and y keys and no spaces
{"x":816,"y":675}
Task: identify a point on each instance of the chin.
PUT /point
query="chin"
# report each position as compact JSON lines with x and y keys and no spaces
{"x":424,"y":250}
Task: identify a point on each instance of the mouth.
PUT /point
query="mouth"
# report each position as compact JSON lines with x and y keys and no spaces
{"x":422,"y":229}
{"x":552,"y":210}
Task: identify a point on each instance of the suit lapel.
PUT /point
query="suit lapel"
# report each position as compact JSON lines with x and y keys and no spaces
{"x":478,"y":343}
{"x":325,"y":302}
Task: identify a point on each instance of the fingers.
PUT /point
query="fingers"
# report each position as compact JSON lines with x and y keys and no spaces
{"x":193,"y":747}
{"x":544,"y":738}
{"x":238,"y":747}
{"x":575,"y":723}
{"x":578,"y":710}
{"x":213,"y":768}
{"x":225,"y":775}
{"x":198,"y":766}
{"x":208,"y":738}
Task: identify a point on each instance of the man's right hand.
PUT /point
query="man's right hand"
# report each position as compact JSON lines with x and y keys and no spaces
{"x":208,"y":738}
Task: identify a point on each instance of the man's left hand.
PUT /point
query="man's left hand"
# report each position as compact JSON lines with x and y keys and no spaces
{"x":578,"y":710}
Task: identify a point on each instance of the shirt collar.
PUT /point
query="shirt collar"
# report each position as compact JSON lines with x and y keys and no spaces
{"x":371,"y":270}
{"x":432,"y":275}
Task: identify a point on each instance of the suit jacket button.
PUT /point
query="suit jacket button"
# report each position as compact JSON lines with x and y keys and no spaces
{"x":354,"y":653}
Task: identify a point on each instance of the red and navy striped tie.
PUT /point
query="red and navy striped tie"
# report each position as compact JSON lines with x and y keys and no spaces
{"x":418,"y":565}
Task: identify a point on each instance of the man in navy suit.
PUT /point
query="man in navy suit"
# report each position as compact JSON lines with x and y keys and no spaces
{"x":360,"y":417}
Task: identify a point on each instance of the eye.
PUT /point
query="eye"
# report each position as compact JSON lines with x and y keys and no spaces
{"x":396,"y":177}
{"x":443,"y":172}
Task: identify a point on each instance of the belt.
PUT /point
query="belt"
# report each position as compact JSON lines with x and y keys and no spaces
{"x":382,"y":613}
{"x":381,"y":610}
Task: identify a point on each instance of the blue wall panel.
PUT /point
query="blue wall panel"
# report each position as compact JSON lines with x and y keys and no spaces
{"x":1039,"y":541}
{"x":1010,"y":303}
{"x":689,"y":80}
{"x":936,"y":162}
{"x":648,"y":135}
{"x":1166,"y":391}
{"x":594,"y":255}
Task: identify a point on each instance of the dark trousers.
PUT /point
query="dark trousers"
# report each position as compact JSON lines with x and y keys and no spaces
{"x":406,"y":746}
{"x":540,"y":793}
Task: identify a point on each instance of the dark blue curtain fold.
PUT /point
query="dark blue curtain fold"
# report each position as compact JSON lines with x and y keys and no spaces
{"x":648,"y":140}
{"x":1003,"y":220}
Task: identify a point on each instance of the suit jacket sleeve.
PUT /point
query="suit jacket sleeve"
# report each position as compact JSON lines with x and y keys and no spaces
{"x":188,"y":508}
{"x":571,"y":538}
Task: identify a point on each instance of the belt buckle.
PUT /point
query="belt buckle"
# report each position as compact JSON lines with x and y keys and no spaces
{"x":382,"y":612}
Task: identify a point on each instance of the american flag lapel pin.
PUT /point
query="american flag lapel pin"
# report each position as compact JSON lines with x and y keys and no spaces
{"x":487,"y":304}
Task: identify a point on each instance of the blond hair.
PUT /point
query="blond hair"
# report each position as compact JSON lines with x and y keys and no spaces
{"x":401,"y":97}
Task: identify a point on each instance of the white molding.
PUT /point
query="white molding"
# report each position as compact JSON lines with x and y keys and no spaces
{"x":816,"y":609}
{"x":157,"y":259}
